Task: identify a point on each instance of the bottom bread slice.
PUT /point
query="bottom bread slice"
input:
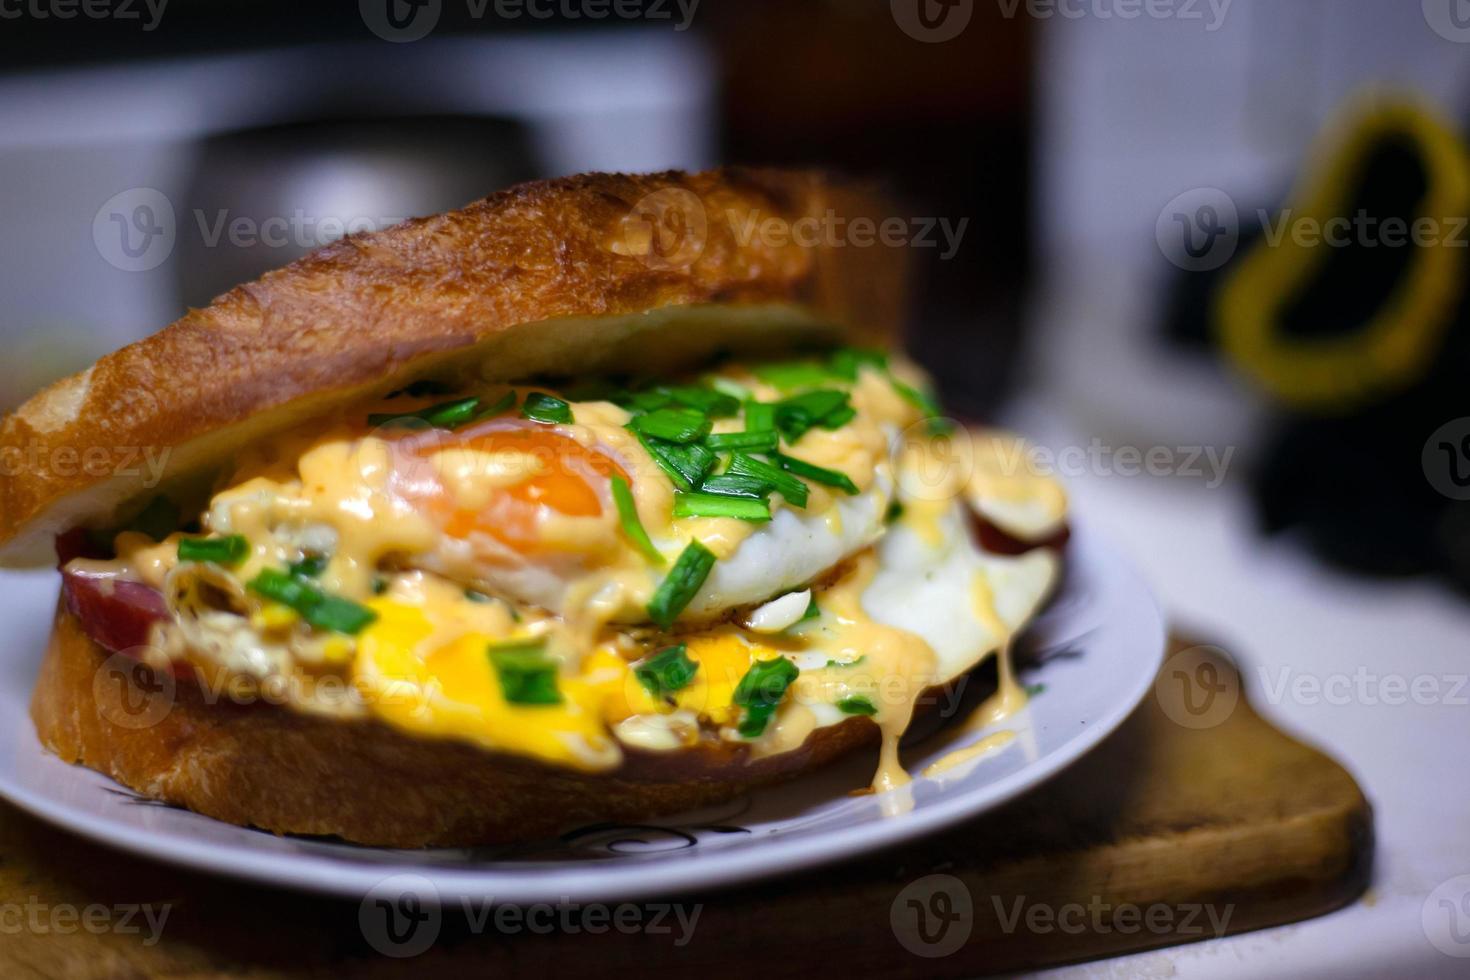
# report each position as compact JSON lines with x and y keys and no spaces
{"x":261,"y":765}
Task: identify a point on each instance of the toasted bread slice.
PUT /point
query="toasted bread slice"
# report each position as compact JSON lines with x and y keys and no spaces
{"x":574,"y":276}
{"x":266,"y":766}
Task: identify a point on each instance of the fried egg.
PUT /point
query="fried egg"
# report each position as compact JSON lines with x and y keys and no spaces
{"x":522,"y":579}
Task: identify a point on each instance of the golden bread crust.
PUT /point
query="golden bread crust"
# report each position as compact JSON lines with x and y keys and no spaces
{"x":264,"y":766}
{"x":554,"y":276}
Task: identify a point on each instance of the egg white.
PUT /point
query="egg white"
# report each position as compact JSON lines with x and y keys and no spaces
{"x":925,"y":584}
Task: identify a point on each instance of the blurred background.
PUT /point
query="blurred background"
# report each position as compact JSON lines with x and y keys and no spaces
{"x":1210,"y":254}
{"x":1108,"y":201}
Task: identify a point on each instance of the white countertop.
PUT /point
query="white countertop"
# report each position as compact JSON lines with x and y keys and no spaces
{"x":1284,"y":616}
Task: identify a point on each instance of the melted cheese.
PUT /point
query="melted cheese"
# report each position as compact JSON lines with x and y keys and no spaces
{"x":411,"y":519}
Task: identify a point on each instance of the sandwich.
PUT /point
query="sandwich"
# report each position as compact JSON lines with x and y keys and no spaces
{"x":514,"y":518}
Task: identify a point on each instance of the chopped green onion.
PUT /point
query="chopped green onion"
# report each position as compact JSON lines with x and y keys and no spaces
{"x":478,"y":597}
{"x":792,"y":490}
{"x":445,"y":415}
{"x":527,"y":675}
{"x":666,"y":671}
{"x":846,"y":361}
{"x":315,"y":606}
{"x":715,"y":404}
{"x":760,"y":691}
{"x":681,"y":585}
{"x":499,"y":406}
{"x":1032,"y":690}
{"x":686,"y":466}
{"x":793,"y":374}
{"x":813,"y":611}
{"x":752,"y":442}
{"x":698,"y":504}
{"x":725,"y":386}
{"x":646,"y":401}
{"x":797,"y":414}
{"x":380,"y":585}
{"x":847,"y":663}
{"x":228,"y":550}
{"x":541,"y":407}
{"x":839,"y":418}
{"x":857,"y":705}
{"x":926,"y":403}
{"x":894,"y":512}
{"x":817,"y":474}
{"x":673,"y":425}
{"x":633,"y":528}
{"x":736,"y":485}
{"x":310,"y":566}
{"x":760,"y":417}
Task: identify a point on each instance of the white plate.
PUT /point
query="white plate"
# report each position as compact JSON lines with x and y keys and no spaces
{"x":1099,"y":644}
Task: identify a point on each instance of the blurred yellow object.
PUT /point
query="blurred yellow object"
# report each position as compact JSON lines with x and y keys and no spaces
{"x":1392,"y":348}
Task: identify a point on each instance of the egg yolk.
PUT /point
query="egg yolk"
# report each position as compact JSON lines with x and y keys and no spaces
{"x":500,"y":481}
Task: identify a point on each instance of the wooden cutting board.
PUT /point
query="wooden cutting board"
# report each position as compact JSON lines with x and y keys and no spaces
{"x":1196,"y":818}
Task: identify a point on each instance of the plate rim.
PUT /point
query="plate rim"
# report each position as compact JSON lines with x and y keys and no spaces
{"x":326,"y":874}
